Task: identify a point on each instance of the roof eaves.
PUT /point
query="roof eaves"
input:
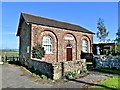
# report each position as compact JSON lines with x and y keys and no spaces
{"x":63,"y":28}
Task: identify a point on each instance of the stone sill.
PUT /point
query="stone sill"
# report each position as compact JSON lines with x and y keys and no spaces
{"x":49,"y":53}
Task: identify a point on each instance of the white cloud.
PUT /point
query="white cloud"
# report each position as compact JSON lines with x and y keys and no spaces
{"x":11,"y":33}
{"x":8,"y":33}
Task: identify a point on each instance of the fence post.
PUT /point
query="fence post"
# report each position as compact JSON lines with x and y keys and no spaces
{"x":17,"y":59}
{"x":13,"y":58}
{"x":5,"y":58}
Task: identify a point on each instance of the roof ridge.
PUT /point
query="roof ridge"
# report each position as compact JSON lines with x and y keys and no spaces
{"x":52,"y":19}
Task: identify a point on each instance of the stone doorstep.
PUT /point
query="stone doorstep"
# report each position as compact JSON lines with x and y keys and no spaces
{"x":1,"y":62}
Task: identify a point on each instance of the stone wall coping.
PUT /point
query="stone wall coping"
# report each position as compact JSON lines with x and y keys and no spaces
{"x":73,"y":61}
{"x":81,"y":60}
{"x":39,"y":60}
{"x":54,"y":64}
{"x":35,"y":59}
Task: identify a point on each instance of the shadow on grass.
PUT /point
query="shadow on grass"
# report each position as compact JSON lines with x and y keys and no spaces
{"x":92,"y":84}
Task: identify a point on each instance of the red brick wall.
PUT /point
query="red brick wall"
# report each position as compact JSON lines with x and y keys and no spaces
{"x":59,"y":42}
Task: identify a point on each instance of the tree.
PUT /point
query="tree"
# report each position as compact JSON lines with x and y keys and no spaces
{"x":102,"y":31}
{"x":118,"y":36}
{"x":118,"y":42}
{"x":38,"y":51}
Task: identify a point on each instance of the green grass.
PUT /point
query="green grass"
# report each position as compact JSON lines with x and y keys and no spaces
{"x":107,"y":70}
{"x":10,"y":53}
{"x":108,"y":84}
{"x":88,"y":62}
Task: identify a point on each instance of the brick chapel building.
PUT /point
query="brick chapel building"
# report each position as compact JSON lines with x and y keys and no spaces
{"x":62,"y":41}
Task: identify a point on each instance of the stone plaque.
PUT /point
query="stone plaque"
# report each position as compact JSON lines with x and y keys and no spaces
{"x":69,"y":37}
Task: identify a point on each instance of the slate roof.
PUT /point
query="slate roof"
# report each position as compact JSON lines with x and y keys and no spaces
{"x":53,"y":23}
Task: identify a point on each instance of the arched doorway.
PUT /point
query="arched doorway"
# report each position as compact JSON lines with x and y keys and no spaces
{"x":69,"y":52}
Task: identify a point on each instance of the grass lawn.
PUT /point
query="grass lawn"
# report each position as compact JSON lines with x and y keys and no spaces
{"x":109,"y":84}
{"x":10,"y":53}
{"x":107,"y":70}
{"x":88,"y":62}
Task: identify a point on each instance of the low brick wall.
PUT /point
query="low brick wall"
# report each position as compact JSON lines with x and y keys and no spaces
{"x":57,"y":70}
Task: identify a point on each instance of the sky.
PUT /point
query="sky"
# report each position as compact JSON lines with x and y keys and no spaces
{"x":85,"y":14}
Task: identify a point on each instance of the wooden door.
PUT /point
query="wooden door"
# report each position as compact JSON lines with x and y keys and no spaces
{"x":69,"y":54}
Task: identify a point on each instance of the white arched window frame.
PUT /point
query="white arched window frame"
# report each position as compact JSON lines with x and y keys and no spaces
{"x":47,"y":44}
{"x":84,"y":46}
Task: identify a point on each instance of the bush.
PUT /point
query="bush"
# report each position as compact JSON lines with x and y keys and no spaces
{"x":37,"y":72}
{"x":44,"y":77}
{"x":70,"y":74}
{"x":38,"y":51}
{"x":83,"y":71}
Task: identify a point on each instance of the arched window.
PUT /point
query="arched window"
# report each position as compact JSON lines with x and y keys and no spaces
{"x":47,"y":44}
{"x":84,"y":46}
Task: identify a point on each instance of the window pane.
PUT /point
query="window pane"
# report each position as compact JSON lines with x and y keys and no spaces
{"x":50,"y":48}
{"x":84,"y":46}
{"x":47,"y":43}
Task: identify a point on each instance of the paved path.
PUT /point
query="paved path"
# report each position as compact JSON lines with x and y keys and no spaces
{"x":14,"y":77}
{"x":84,"y":82}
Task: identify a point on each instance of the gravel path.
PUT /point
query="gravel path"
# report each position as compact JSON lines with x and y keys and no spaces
{"x":14,"y":77}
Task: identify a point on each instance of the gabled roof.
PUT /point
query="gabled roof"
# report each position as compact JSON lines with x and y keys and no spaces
{"x":53,"y":23}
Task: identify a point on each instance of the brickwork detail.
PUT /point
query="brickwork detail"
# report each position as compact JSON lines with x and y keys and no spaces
{"x":61,"y":38}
